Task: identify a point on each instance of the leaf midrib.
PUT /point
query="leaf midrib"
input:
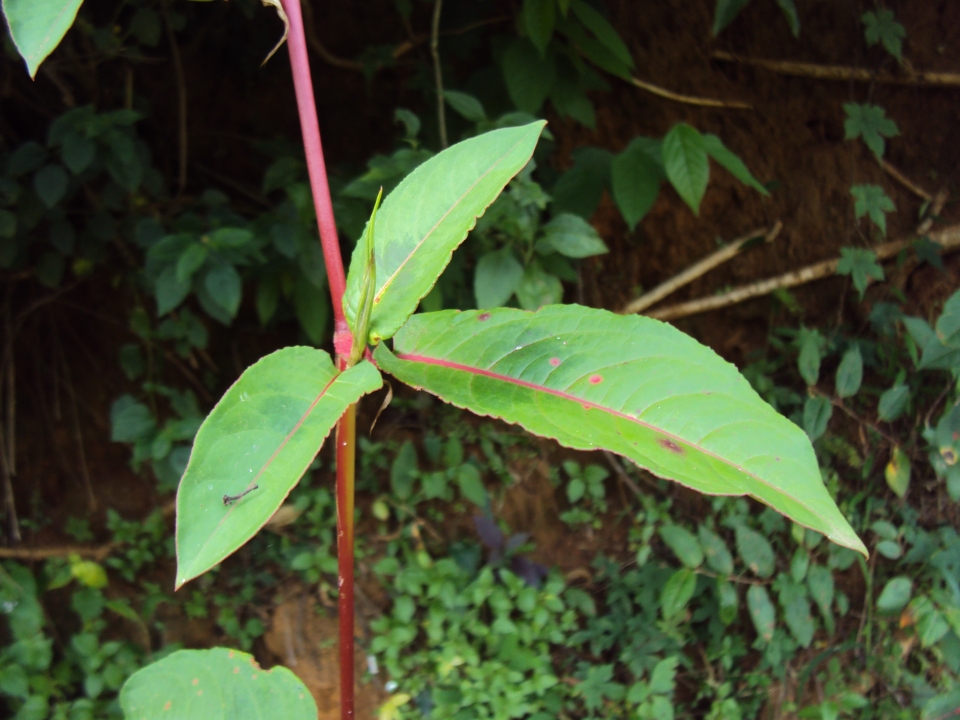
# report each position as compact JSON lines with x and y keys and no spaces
{"x":572,"y":398}
{"x":389,"y":280}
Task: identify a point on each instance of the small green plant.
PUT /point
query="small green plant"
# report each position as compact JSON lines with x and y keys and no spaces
{"x":586,"y":493}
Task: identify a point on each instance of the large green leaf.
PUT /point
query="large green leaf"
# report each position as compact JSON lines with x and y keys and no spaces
{"x":428,"y":215}
{"x":264,"y":432}
{"x":38,"y":26}
{"x":627,"y":384}
{"x":216,"y":684}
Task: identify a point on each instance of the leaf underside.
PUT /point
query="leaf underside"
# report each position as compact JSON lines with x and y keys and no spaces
{"x":630,"y":385}
{"x":428,"y":215}
{"x":216,"y":684}
{"x":265,"y":431}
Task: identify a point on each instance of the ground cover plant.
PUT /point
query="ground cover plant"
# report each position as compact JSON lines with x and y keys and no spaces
{"x":723,"y":610}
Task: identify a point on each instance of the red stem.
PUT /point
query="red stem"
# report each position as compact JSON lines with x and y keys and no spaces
{"x":343,"y":342}
{"x":306,"y":105}
{"x":346,"y":458}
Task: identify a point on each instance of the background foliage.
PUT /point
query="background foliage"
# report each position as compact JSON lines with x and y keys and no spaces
{"x":147,"y":258}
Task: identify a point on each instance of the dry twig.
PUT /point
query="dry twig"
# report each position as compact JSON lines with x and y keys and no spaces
{"x":906,"y":182}
{"x":689,"y":99}
{"x":438,"y":72}
{"x":948,"y":239}
{"x":727,"y":252}
{"x":838,"y":72}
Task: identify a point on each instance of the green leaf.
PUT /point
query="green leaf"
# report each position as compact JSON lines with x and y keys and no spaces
{"x":539,"y":17}
{"x":38,"y":26}
{"x":821,"y":587}
{"x":575,"y":490}
{"x":893,"y":402}
{"x":897,"y":472}
{"x":663,"y":674}
{"x":169,"y":290}
{"x":895,"y":595}
{"x":726,"y":11}
{"x":265,"y":431}
{"x":225,"y":287}
{"x":762,"y":611}
{"x":312,"y":307}
{"x":571,"y":236}
{"x":948,"y":324}
{"x":882,"y":27}
{"x":850,"y":373}
{"x":715,"y":549}
{"x":733,"y":164}
{"x":602,"y":30}
{"x":404,"y":470}
{"x":268,"y":298}
{"x":817,"y":412}
{"x":538,"y":288}
{"x":580,"y":188}
{"x":861,"y":265}
{"x":78,"y":152}
{"x":471,"y":485}
{"x":146,"y":27}
{"x":755,"y":551}
{"x":529,"y":77}
{"x":728,"y":601}
{"x":628,"y":384}
{"x":871,"y":123}
{"x":216,"y":684}
{"x":51,"y":183}
{"x":798,"y":619}
{"x":497,"y":278}
{"x":465,"y":105}
{"x":790,"y":12}
{"x":811,"y":353}
{"x":130,"y":420}
{"x":684,"y":545}
{"x":191,"y":260}
{"x":428,"y":215}
{"x":635,"y":179}
{"x":872,"y":201}
{"x":677,"y":592}
{"x":799,"y":565}
{"x":686,"y":164}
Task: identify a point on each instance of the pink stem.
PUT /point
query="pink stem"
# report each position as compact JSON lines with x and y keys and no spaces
{"x":302,"y":83}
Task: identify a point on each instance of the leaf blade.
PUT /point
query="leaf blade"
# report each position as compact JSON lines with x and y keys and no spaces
{"x":291,"y":399}
{"x":38,"y":26}
{"x":429,"y":214}
{"x":549,"y":372}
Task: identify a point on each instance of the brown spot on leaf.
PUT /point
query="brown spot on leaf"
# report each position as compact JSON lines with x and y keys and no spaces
{"x":483,"y":316}
{"x":167,"y":704}
{"x":196,"y":680}
{"x":670,"y":445}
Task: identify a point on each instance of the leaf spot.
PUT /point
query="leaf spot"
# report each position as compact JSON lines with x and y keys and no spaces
{"x":483,"y":316}
{"x":595,"y":379}
{"x":670,"y":445}
{"x":555,"y":361}
{"x":199,"y":692}
{"x":168,"y":704}
{"x":196,"y":680}
{"x":236,"y":671}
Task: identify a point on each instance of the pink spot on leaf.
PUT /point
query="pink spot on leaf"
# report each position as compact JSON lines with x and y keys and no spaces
{"x":483,"y":316}
{"x":196,"y":680}
{"x":670,"y":445}
{"x":555,"y":361}
{"x":595,"y":379}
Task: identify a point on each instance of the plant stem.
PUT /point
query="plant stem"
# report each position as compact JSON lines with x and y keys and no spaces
{"x":347,"y":426}
{"x":346,"y":463}
{"x":309,"y":125}
{"x":437,"y":72}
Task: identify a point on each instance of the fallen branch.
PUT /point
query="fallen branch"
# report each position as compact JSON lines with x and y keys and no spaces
{"x":719,"y":257}
{"x":689,"y":99}
{"x":839,"y":72}
{"x":906,"y":182}
{"x":948,"y":239}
